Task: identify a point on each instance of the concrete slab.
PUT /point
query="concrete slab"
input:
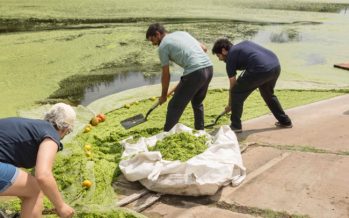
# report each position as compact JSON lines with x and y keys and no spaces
{"x":303,"y":183}
{"x":323,"y":125}
{"x":256,"y":157}
{"x":192,"y":211}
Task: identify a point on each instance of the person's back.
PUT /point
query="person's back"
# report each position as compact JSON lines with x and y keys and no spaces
{"x":20,"y":139}
{"x":181,"y":48}
{"x":251,"y":57}
{"x":28,"y":143}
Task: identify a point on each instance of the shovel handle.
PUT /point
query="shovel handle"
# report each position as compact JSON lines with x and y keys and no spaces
{"x":151,"y":109}
{"x":219,"y":116}
{"x":216,"y":120}
{"x":158,"y":103}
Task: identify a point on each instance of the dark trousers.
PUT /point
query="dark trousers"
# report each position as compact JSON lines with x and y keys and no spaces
{"x":246,"y":84}
{"x":191,"y":88}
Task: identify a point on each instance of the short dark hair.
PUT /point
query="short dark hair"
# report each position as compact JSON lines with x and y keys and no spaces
{"x":153,"y":28}
{"x":220,"y":44}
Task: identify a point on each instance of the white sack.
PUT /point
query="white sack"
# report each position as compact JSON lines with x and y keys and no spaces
{"x":203,"y":174}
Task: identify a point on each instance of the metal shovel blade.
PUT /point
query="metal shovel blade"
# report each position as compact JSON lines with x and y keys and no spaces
{"x":137,"y":119}
{"x":133,"y":121}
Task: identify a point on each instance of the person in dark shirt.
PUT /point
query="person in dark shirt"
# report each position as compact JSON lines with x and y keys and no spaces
{"x":28,"y":143}
{"x":261,"y":69}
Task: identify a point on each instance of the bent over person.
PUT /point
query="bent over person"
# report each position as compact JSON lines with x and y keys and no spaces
{"x":28,"y":143}
{"x":261,"y":69}
{"x":184,"y":50}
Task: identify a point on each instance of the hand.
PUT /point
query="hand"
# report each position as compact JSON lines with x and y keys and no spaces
{"x":227,"y":109}
{"x":65,"y":211}
{"x":162,"y":99}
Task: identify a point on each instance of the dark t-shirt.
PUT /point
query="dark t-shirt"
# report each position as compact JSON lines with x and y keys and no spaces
{"x":251,"y":57}
{"x":20,"y":139}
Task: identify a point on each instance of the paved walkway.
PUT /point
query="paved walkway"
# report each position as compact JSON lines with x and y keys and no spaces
{"x":303,"y":170}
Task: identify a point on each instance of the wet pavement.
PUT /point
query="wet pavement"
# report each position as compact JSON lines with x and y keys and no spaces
{"x":299,"y":171}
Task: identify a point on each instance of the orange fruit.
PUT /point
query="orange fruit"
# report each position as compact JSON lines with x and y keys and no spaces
{"x":86,"y":183}
{"x":88,"y":153}
{"x":94,"y":121}
{"x":87,"y":129}
{"x":101,"y":117}
{"x":87,"y":147}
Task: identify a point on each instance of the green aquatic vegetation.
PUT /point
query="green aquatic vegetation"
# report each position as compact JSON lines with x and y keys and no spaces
{"x":180,"y":146}
{"x":209,"y":31}
{"x":73,"y":166}
{"x":331,"y":7}
{"x":56,"y":70}
{"x":92,"y":44}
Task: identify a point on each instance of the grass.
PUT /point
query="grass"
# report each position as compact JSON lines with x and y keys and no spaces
{"x":136,"y":8}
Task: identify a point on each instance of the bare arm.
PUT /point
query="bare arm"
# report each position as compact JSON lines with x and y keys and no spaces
{"x":165,"y":82}
{"x":203,"y":47}
{"x":43,"y":173}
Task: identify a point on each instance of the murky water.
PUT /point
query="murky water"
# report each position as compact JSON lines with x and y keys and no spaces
{"x":344,"y":11}
{"x":307,"y":44}
{"x":279,"y":35}
{"x":120,"y":83}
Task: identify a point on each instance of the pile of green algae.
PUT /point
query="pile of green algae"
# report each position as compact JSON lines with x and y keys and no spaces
{"x":73,"y":165}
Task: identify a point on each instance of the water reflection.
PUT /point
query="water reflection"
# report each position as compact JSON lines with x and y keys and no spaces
{"x":315,"y":59}
{"x":121,"y":82}
{"x":344,"y":11}
{"x":278,"y":35}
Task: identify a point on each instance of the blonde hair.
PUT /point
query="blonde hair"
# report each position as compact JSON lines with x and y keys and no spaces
{"x":61,"y":116}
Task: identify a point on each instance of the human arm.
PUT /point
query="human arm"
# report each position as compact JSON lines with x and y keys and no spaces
{"x":43,"y":174}
{"x":165,"y":82}
{"x":203,"y":47}
{"x":232,"y":83}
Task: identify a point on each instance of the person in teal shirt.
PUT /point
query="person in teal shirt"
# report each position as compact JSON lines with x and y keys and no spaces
{"x":184,"y":50}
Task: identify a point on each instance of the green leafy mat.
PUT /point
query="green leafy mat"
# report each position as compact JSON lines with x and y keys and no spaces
{"x":180,"y":146}
{"x":73,"y":165}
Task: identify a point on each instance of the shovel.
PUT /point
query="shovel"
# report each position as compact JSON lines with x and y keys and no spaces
{"x":218,"y":117}
{"x":137,"y":119}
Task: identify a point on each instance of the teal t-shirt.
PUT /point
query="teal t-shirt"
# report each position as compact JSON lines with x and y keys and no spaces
{"x":183,"y":49}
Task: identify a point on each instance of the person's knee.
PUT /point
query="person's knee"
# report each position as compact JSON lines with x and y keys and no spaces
{"x":25,"y":186}
{"x":34,"y":194}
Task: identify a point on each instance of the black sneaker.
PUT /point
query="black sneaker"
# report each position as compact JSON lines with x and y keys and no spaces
{"x":236,"y":130}
{"x":281,"y":125}
{"x":16,"y":215}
